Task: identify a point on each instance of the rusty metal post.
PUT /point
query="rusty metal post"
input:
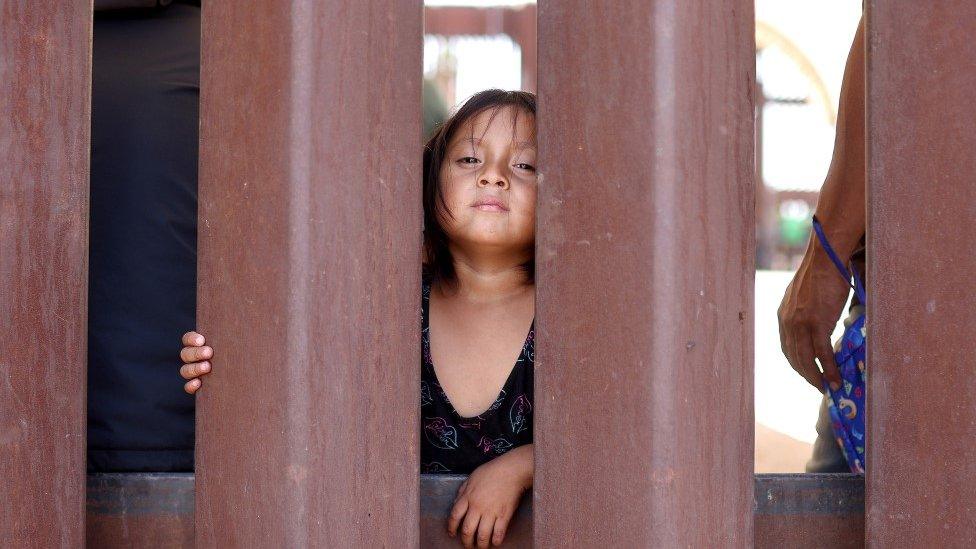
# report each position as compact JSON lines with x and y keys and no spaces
{"x":921,"y":469}
{"x":310,"y":227}
{"x":645,"y":253}
{"x":45,"y":106}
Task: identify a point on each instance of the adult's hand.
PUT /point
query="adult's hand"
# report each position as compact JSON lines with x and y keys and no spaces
{"x":808,"y":314}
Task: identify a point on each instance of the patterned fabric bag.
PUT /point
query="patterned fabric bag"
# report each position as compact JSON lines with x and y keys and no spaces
{"x":846,"y":405}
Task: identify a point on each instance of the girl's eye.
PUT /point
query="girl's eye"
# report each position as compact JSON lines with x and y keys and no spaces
{"x":468,"y":160}
{"x":525,"y":166}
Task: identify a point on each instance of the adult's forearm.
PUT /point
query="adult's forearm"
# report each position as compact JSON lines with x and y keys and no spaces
{"x":841,"y":207}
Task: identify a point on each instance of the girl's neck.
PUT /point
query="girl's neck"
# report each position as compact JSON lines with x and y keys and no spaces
{"x":487,"y":279}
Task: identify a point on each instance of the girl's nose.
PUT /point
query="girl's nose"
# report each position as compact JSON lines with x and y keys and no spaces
{"x":489,"y":181}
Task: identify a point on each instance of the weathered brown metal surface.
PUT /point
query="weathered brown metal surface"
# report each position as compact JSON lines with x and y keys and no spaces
{"x":141,"y":510}
{"x":809,"y":511}
{"x":645,"y":253}
{"x":156,"y":510}
{"x":45,"y":98}
{"x":310,"y":226}
{"x":921,"y":469}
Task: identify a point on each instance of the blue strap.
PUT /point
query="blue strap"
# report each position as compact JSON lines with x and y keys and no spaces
{"x":858,"y":285}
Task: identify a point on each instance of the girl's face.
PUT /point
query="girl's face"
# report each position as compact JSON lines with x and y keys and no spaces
{"x":488,"y":181}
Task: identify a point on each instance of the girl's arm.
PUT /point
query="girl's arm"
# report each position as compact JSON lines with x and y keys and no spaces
{"x":488,"y":499}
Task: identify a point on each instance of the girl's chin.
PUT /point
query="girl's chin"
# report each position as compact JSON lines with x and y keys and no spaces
{"x":495,"y":240}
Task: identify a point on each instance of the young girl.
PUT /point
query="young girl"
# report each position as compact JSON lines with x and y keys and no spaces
{"x":478,"y":303}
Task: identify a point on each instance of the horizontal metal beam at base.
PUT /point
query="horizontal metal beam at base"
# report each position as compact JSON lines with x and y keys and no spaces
{"x":156,"y":510}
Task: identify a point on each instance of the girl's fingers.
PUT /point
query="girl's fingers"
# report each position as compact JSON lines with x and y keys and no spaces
{"x":196,"y":354}
{"x":192,"y":339}
{"x":457,"y":513}
{"x":485,"y":528}
{"x":501,"y":527}
{"x":195,"y":369}
{"x":192,"y":386}
{"x":469,"y":528}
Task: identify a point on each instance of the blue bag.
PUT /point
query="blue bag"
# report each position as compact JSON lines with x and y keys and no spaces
{"x":846,"y":404}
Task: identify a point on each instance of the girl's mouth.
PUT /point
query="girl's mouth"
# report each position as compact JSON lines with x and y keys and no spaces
{"x":490,"y":204}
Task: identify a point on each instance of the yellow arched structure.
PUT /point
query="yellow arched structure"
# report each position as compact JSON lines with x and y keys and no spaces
{"x":767,"y":35}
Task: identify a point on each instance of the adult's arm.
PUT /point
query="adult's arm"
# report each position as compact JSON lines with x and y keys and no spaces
{"x":815,"y":298}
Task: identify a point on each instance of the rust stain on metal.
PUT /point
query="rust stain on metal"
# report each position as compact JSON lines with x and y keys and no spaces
{"x":921,"y":474}
{"x":45,"y":98}
{"x":646,"y":136}
{"x":310,"y":277}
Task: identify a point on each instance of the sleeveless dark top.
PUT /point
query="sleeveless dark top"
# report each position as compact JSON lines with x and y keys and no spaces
{"x":450,"y":443}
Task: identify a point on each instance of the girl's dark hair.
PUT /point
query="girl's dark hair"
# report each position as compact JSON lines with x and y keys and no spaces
{"x":438,"y":263}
